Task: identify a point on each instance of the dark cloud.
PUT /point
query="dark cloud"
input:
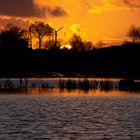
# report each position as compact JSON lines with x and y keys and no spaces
{"x":27,"y":8}
{"x":87,"y":3}
{"x":56,"y":11}
{"x":20,"y":8}
{"x":132,"y":3}
{"x":18,"y":22}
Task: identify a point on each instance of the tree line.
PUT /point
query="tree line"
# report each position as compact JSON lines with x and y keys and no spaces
{"x":134,"y":33}
{"x":13,"y":36}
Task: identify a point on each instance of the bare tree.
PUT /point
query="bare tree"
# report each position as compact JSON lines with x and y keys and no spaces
{"x":49,"y":45}
{"x":40,"y":30}
{"x":88,"y":46}
{"x":76,"y":42}
{"x":134,"y":33}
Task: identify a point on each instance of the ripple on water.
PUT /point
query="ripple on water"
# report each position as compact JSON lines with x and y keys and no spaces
{"x":65,"y":117}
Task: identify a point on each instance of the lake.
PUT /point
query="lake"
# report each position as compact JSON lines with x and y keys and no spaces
{"x":70,"y":114}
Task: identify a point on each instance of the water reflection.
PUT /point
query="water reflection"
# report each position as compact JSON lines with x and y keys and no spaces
{"x":77,"y":92}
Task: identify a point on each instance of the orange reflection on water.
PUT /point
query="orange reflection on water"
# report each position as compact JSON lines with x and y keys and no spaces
{"x":77,"y":92}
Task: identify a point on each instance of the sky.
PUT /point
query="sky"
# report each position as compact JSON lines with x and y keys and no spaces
{"x":93,"y":20}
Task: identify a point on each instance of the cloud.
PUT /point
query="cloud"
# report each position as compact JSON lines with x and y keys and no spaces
{"x":86,"y":3}
{"x":29,"y":8}
{"x":20,"y":22}
{"x":21,"y":8}
{"x":110,"y":5}
{"x":77,"y":29}
{"x":132,"y":3}
{"x":107,"y":5}
{"x":57,"y":11}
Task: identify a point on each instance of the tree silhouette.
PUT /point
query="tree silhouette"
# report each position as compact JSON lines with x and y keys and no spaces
{"x":100,"y":44}
{"x":40,"y":30}
{"x":49,"y":45}
{"x":88,"y":46}
{"x":134,"y":33}
{"x":76,"y":42}
{"x":13,"y":36}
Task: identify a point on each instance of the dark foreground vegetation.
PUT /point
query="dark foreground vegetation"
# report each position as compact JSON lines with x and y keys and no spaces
{"x":17,"y":59}
{"x":117,"y":61}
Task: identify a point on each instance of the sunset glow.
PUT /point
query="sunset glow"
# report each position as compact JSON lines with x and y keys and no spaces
{"x":66,"y":47}
{"x":106,"y":20}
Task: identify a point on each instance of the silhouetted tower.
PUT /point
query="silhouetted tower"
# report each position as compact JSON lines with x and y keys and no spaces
{"x":55,"y":35}
{"x":30,"y":37}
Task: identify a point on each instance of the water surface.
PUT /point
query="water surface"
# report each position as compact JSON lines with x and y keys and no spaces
{"x":70,"y":115}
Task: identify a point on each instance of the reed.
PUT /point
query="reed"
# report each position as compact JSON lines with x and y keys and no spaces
{"x":84,"y":85}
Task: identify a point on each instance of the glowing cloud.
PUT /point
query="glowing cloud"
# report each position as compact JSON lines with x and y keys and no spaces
{"x":106,"y":6}
{"x":20,"y":22}
{"x":76,"y":29}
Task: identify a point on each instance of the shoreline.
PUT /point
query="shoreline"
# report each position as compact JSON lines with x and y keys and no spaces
{"x":69,"y":76}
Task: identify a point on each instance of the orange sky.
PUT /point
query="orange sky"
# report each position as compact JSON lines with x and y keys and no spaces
{"x":107,"y":20}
